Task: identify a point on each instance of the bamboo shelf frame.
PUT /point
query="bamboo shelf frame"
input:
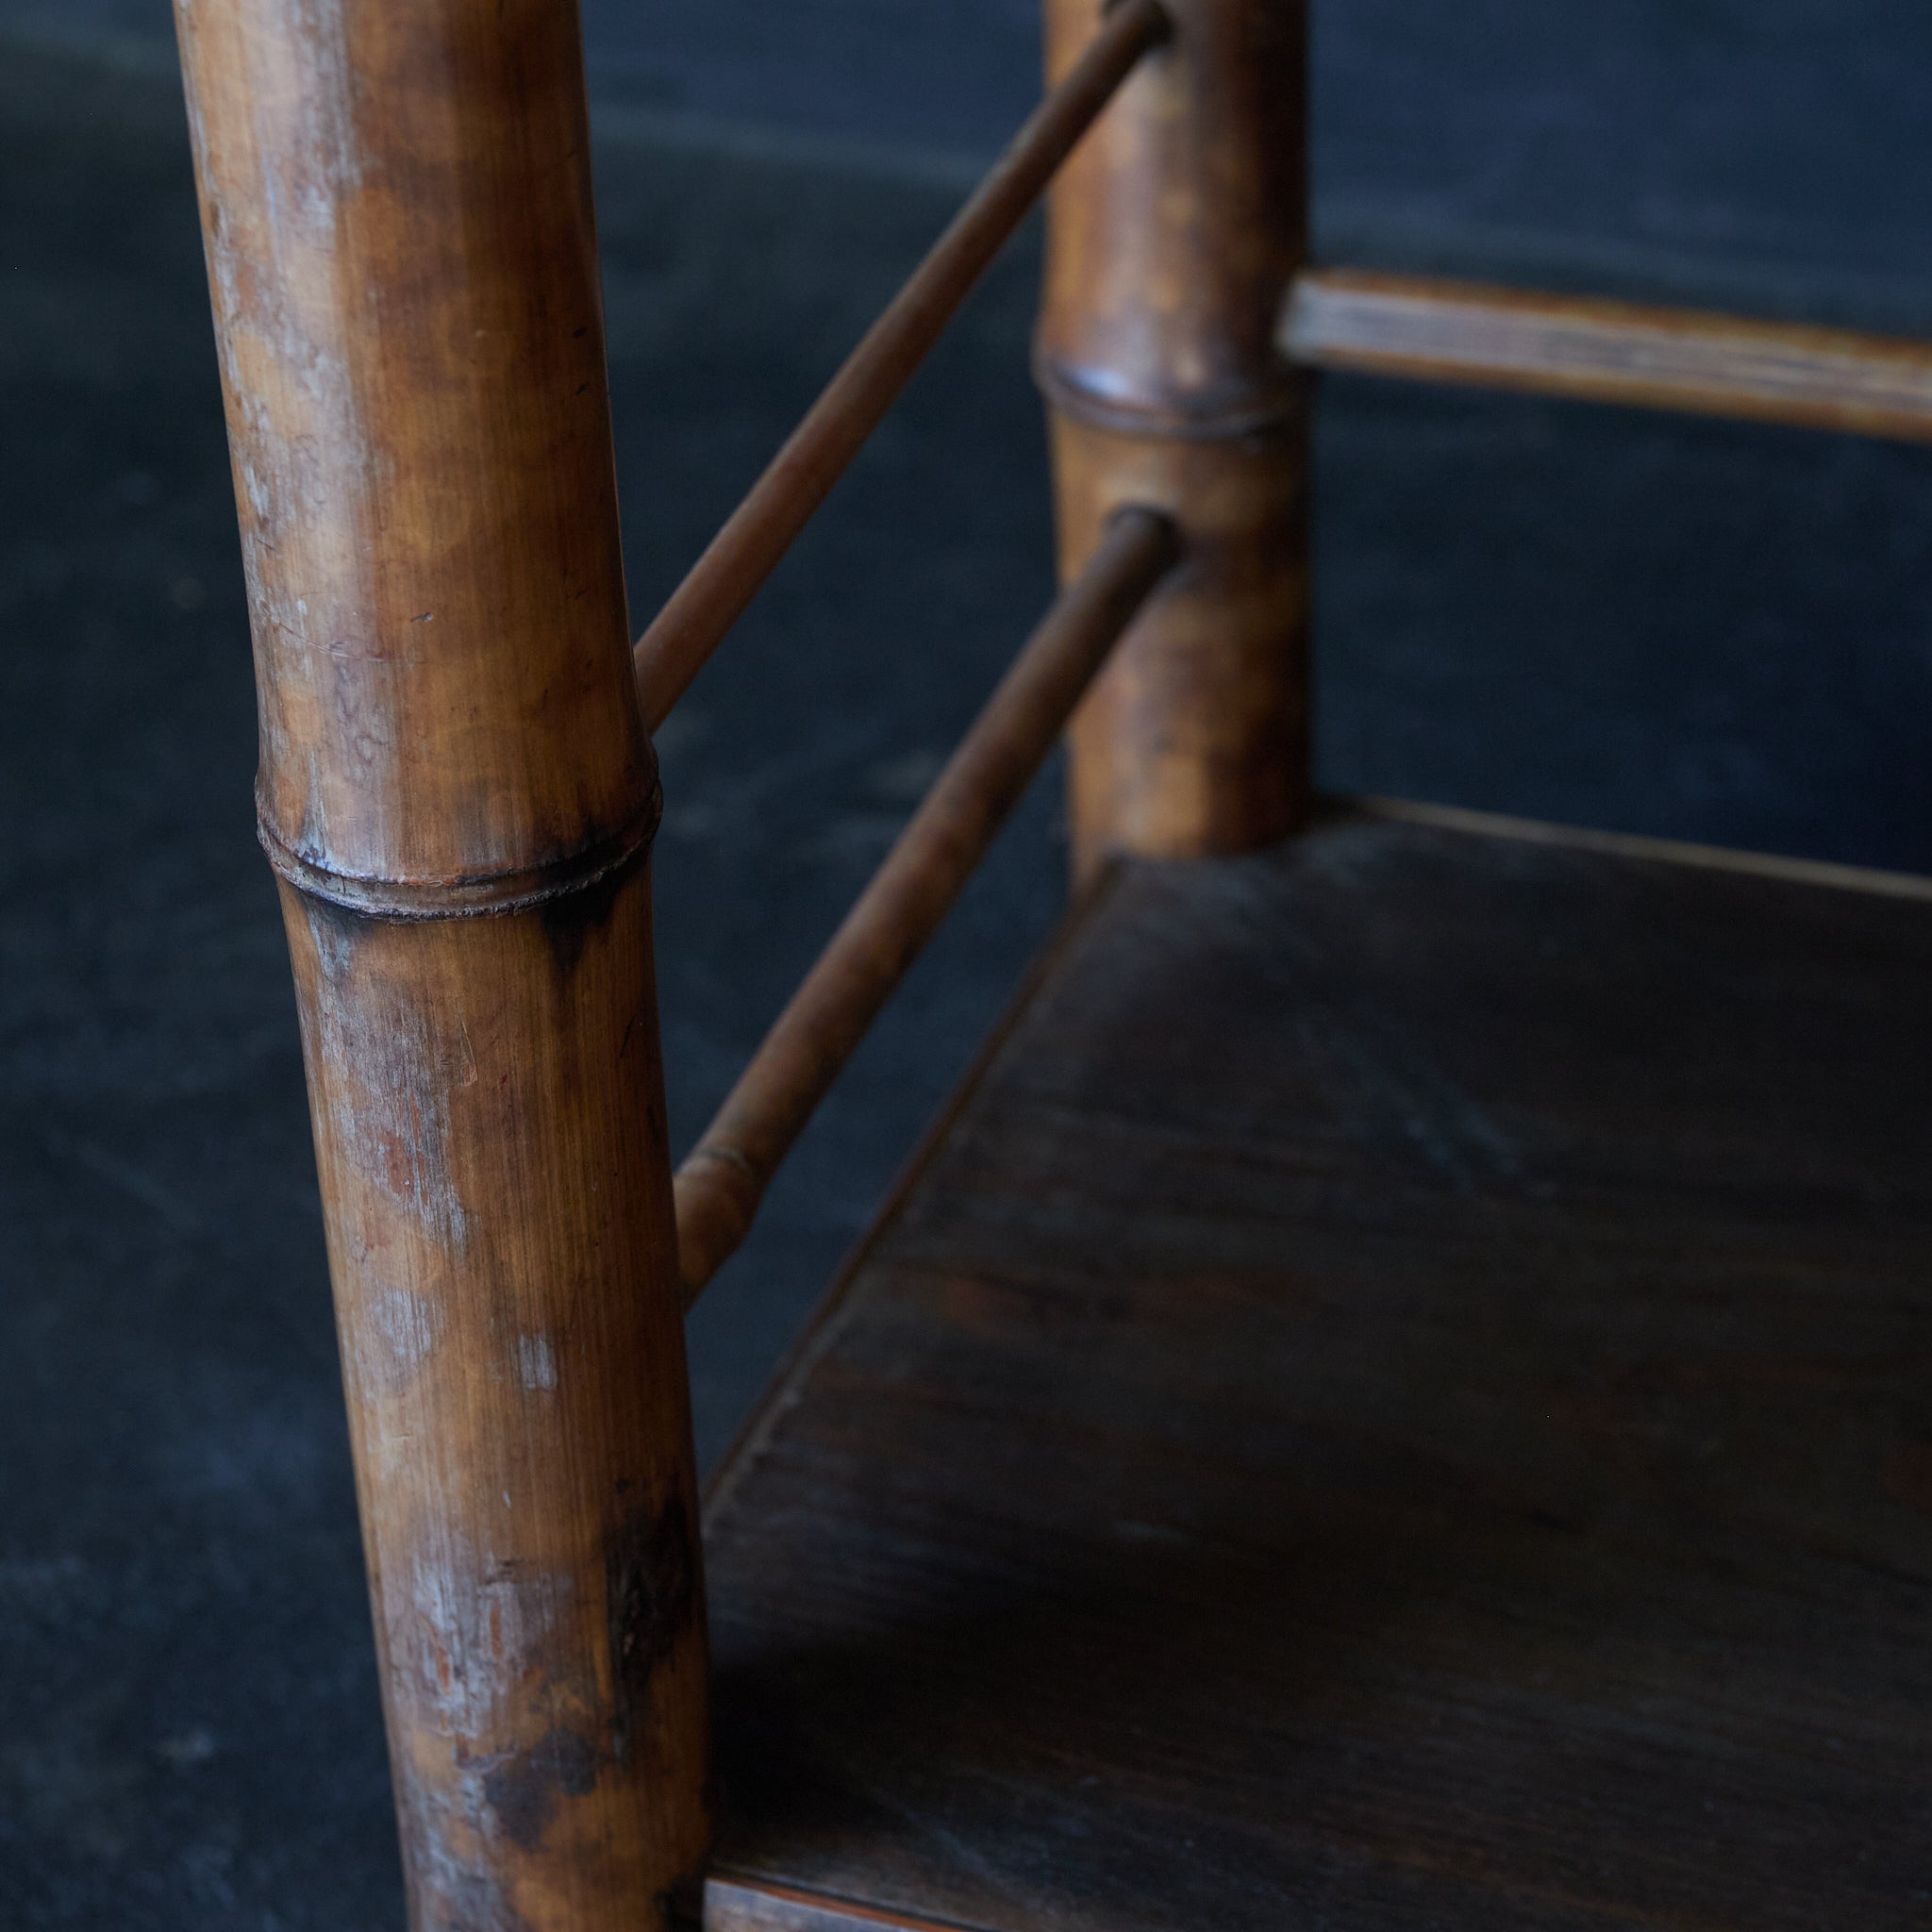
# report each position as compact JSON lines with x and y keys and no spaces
{"x":458,"y":790}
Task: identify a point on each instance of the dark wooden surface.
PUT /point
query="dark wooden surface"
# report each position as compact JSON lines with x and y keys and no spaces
{"x":1403,"y":1398}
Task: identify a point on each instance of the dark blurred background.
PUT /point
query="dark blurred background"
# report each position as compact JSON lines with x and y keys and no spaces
{"x":1703,"y":630}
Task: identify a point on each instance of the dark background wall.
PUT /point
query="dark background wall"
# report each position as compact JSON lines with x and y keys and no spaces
{"x":1770,"y":149}
{"x":1700,"y":629}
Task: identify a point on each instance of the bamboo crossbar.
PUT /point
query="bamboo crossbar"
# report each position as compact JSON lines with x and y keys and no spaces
{"x":779,"y":505}
{"x":721,"y":1183}
{"x":1599,"y":350}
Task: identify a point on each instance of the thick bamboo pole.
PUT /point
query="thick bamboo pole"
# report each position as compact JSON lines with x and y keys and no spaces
{"x":459,"y":794}
{"x":721,"y":1184}
{"x":1173,"y":234}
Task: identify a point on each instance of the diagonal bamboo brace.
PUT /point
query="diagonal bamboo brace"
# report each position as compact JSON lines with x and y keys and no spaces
{"x":720,"y":1185}
{"x":744,"y":553}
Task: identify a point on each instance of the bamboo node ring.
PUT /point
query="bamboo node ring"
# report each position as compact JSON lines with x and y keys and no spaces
{"x":468,"y":895}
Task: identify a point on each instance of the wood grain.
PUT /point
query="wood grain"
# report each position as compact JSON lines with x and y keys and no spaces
{"x":779,"y":505}
{"x":1590,"y":347}
{"x":1402,"y":1398}
{"x":720,"y":1185}
{"x":458,"y":791}
{"x":740,"y":1906}
{"x":1172,"y":238}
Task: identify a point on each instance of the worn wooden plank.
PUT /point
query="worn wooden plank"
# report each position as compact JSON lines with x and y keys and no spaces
{"x":1768,"y":865}
{"x":1438,"y":331}
{"x":1401,"y":1399}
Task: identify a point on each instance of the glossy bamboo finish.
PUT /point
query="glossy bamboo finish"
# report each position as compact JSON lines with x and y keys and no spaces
{"x":1613,"y":352}
{"x":720,"y":1185}
{"x":738,"y":560}
{"x":458,"y":793}
{"x":1174,"y":235}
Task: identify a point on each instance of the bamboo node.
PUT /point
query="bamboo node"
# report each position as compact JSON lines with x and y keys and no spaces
{"x":468,"y":895}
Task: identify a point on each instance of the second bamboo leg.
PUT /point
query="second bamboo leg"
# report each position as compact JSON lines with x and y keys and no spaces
{"x":1174,"y":234}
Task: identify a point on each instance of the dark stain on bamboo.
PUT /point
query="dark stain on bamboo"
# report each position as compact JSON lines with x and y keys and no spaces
{"x":568,"y":919}
{"x":652,"y":1587}
{"x":523,"y":1790}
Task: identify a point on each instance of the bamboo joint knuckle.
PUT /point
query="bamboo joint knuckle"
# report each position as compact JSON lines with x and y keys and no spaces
{"x":598,"y":863}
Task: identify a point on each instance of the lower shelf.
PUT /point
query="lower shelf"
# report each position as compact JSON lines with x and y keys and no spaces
{"x":1401,"y":1397}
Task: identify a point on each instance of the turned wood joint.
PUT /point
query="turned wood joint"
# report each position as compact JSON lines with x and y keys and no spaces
{"x":717,"y":1192}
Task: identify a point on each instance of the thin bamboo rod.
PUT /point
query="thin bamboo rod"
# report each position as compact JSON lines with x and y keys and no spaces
{"x":779,"y":505}
{"x":720,"y":1185}
{"x":1613,"y":352}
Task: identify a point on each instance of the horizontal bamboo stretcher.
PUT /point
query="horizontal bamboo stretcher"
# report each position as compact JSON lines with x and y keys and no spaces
{"x":1597,"y":350}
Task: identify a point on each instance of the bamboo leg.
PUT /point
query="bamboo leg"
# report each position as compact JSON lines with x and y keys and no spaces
{"x":1173,"y":234}
{"x":457,"y":792}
